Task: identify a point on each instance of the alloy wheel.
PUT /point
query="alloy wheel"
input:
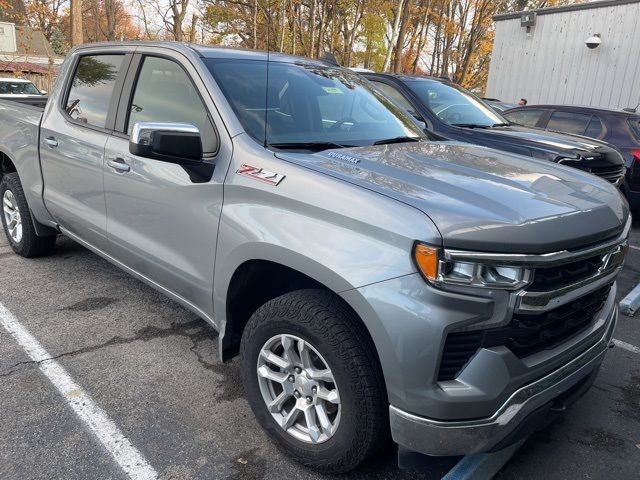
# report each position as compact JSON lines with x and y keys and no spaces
{"x":298,"y":388}
{"x":12,"y":217}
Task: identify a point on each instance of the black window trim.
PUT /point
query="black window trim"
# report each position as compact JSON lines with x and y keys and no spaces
{"x":117,"y":89}
{"x":128,"y":90}
{"x":603,"y":132}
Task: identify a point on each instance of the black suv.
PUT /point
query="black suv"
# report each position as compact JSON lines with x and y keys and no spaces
{"x":454,"y":113}
{"x":619,"y":128}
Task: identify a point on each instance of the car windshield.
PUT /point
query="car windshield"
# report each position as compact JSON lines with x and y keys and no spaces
{"x":309,"y":106}
{"x":455,"y":105}
{"x":18,"y":88}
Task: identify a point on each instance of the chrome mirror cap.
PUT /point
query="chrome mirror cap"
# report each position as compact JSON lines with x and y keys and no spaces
{"x":142,"y":131}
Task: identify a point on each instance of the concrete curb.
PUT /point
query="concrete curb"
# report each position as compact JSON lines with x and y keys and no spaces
{"x":629,"y":305}
{"x":482,"y":466}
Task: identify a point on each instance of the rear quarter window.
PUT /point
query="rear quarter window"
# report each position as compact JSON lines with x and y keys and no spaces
{"x":634,"y":122}
{"x":569,"y":122}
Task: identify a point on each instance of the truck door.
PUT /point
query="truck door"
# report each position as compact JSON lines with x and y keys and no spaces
{"x":162,"y":218}
{"x":73,"y":136}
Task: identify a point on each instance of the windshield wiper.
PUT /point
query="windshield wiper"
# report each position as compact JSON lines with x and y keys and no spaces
{"x":501,"y":124}
{"x":319,"y":146}
{"x":387,"y":141}
{"x":471,"y":125}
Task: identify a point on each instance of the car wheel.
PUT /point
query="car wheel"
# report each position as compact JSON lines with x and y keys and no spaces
{"x":17,"y":222}
{"x":313,"y":380}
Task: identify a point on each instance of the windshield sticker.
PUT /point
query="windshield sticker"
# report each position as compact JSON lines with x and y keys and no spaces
{"x":342,"y":156}
{"x":332,"y":89}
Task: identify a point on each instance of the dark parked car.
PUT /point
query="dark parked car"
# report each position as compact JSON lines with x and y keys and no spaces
{"x":498,"y":105}
{"x":619,"y":128}
{"x":454,"y":113}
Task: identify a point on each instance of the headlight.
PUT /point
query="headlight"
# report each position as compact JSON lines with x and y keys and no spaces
{"x":439,"y":270}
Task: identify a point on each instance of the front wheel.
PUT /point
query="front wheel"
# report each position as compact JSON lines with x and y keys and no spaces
{"x":312,"y":379}
{"x":17,"y":222}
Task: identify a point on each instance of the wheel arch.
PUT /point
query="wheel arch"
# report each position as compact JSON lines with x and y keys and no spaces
{"x":255,"y":281}
{"x":250,"y":277}
{"x":7,"y":165}
{"x":256,"y":272}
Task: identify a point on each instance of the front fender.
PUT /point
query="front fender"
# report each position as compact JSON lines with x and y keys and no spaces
{"x":340,"y":235}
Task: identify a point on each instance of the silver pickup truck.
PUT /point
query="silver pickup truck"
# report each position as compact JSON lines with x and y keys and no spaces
{"x":372,"y":282}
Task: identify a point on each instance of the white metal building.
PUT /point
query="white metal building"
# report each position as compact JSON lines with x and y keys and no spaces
{"x":544,"y":58}
{"x":7,"y":37}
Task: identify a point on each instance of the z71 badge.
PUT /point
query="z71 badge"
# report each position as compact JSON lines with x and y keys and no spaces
{"x":258,"y":173}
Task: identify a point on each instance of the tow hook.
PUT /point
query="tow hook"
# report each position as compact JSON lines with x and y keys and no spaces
{"x":558,"y":406}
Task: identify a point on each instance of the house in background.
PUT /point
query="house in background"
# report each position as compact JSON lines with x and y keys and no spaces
{"x":26,"y":53}
{"x":580,"y":54}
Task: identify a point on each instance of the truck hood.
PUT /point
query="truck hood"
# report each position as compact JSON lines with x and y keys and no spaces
{"x":483,"y":199}
{"x":582,"y":152}
{"x":555,"y":140}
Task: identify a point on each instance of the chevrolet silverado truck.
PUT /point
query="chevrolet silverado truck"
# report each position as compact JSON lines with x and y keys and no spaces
{"x":372,"y":282}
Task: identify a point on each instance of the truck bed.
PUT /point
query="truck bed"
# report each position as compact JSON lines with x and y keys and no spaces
{"x":19,"y":146}
{"x":38,"y":102}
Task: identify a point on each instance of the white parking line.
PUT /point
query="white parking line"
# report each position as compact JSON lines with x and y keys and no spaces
{"x":634,"y":247}
{"x":124,"y":453}
{"x":626,"y":346}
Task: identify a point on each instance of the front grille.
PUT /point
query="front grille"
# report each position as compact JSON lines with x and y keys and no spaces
{"x":612,"y":174}
{"x":525,"y":335}
{"x":551,"y":278}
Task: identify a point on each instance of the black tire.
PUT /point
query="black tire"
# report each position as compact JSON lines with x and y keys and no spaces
{"x":323,"y":320}
{"x":31,"y":245}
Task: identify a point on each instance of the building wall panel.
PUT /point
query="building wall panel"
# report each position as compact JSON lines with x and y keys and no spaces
{"x":553,"y":65}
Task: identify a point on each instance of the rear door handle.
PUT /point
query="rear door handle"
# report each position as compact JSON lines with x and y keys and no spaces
{"x":119,"y":165}
{"x":51,"y":142}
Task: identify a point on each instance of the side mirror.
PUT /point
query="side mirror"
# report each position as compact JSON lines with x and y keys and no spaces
{"x":43,"y":92}
{"x":169,"y":142}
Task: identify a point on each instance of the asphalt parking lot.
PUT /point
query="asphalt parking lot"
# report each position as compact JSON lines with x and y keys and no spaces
{"x":151,"y":366}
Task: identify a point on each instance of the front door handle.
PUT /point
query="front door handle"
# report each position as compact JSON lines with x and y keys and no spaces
{"x":51,"y":142}
{"x":119,"y":165}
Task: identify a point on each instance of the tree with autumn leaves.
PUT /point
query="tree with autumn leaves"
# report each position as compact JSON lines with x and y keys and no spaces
{"x":448,"y":38}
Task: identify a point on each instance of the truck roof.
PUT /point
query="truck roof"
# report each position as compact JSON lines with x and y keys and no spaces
{"x":579,"y":108}
{"x":14,"y":80}
{"x":209,"y":51}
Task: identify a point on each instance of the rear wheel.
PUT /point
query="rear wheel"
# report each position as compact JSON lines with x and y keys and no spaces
{"x":312,"y":379}
{"x":17,"y":221}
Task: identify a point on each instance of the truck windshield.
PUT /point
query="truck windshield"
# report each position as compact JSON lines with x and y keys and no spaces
{"x":455,"y":105}
{"x":309,"y":106}
{"x":18,"y":88}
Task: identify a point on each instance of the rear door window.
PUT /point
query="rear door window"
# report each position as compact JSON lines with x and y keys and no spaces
{"x":576,"y":123}
{"x":528,"y":118}
{"x":92,"y":87}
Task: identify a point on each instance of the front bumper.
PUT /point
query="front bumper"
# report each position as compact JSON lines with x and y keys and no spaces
{"x":435,"y":437}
